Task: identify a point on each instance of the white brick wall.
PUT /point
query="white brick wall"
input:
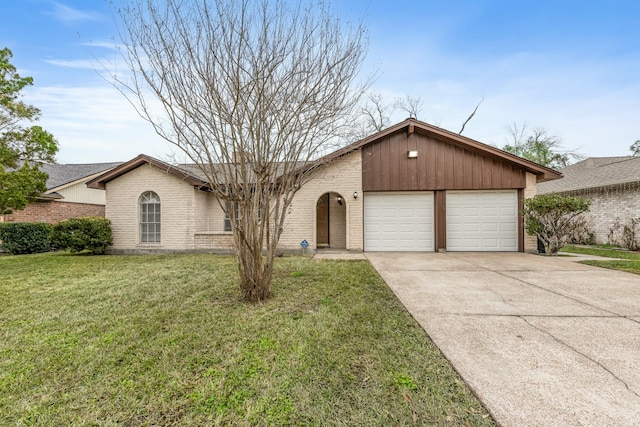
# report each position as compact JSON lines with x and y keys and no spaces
{"x":177,"y":201}
{"x":193,"y":219}
{"x":343,"y":177}
{"x":530,"y":242}
{"x":607,"y":205}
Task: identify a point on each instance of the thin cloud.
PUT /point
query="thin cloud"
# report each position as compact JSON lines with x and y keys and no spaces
{"x":95,"y":123}
{"x":75,"y":63}
{"x":104,"y":44}
{"x":68,"y":15}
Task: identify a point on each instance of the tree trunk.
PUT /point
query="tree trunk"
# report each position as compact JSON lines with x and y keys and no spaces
{"x":255,"y":263}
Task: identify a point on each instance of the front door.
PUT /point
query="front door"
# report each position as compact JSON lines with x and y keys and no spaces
{"x":322,"y":221}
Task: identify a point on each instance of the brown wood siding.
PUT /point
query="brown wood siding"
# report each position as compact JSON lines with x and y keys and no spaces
{"x":441,"y":165}
{"x":440,"y":214}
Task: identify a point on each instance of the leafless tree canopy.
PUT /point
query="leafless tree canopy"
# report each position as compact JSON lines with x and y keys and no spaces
{"x":409,"y":104}
{"x":376,"y":113}
{"x":247,"y":90}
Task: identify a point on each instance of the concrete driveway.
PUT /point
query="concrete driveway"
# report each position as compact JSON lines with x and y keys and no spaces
{"x":541,"y":341}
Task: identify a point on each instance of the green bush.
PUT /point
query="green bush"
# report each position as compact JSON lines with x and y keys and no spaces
{"x":25,"y":237}
{"x":554,"y":218}
{"x":83,"y":234}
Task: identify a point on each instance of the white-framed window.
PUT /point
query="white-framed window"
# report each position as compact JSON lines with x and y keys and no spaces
{"x":149,"y":217}
{"x":227,"y":220}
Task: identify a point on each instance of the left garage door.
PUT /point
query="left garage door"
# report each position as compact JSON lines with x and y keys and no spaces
{"x":398,"y":221}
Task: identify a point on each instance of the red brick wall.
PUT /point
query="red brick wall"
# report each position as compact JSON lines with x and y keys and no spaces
{"x":53,"y":212}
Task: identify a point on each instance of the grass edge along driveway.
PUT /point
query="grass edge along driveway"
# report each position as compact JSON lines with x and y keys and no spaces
{"x":164,"y":340}
{"x":630,"y":261}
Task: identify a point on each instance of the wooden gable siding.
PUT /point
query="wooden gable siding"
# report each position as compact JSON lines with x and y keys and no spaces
{"x":440,"y":165}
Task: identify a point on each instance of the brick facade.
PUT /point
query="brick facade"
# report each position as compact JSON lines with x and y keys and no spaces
{"x":608,"y":204}
{"x":530,"y":242}
{"x":53,"y":211}
{"x":343,"y":177}
{"x":193,"y":220}
{"x":177,"y":205}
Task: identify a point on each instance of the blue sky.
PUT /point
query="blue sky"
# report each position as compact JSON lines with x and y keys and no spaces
{"x":572,"y":67}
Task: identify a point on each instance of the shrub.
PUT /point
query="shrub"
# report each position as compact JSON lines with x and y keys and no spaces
{"x":625,"y":235}
{"x":91,"y":234}
{"x":553,"y":218}
{"x":25,"y":237}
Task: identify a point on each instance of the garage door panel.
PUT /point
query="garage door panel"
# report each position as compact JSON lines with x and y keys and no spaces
{"x":398,"y":221}
{"x":508,"y":227}
{"x":491,"y":227}
{"x":482,"y":220}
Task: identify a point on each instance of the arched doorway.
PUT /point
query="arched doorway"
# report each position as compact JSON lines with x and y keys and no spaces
{"x":331,"y":221}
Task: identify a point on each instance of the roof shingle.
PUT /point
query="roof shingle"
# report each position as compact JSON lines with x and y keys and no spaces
{"x":60,"y":174}
{"x":595,"y":172}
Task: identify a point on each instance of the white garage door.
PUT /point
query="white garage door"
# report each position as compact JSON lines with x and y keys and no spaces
{"x":482,"y":220}
{"x":398,"y":221}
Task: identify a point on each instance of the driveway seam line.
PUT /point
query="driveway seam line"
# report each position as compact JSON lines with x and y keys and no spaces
{"x":504,"y":274}
{"x":558,"y":340}
{"x":560,"y":294}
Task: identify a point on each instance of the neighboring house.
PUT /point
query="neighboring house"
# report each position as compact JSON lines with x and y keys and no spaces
{"x":67,"y":194}
{"x":411,"y":187}
{"x":611,"y":183}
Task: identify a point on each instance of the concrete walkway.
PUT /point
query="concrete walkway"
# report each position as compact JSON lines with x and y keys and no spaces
{"x":541,"y":341}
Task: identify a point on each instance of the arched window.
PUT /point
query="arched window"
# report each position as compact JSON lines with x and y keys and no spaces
{"x":149,"y":218}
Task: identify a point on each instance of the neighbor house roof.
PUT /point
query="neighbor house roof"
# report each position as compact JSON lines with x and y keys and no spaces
{"x":595,"y":172}
{"x":62,"y":174}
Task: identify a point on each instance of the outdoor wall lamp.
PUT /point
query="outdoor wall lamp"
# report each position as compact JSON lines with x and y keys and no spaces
{"x":340,"y":200}
{"x":355,"y":194}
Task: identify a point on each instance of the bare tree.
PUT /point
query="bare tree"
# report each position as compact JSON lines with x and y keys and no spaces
{"x":635,"y":148}
{"x":376,"y":113}
{"x":249,"y":91}
{"x":539,"y":146}
{"x":409,"y":104}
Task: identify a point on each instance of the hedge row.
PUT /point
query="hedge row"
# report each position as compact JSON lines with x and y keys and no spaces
{"x":25,"y":237}
{"x":75,"y":235}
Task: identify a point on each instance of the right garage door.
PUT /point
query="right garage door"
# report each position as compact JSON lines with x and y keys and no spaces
{"x":482,"y":220}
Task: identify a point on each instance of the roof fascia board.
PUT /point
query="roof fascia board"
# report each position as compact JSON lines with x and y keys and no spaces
{"x":102,"y":179}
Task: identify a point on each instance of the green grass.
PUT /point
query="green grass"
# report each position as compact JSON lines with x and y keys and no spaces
{"x":630,"y":262}
{"x":164,"y":340}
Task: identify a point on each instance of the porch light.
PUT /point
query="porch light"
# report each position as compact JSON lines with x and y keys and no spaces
{"x":355,"y":194}
{"x":340,"y":200}
{"x":412,"y":154}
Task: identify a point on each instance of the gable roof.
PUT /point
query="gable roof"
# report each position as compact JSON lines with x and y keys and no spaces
{"x":190,"y":175}
{"x":62,"y":174}
{"x":595,"y":172}
{"x":411,"y":125}
{"x":193,"y":175}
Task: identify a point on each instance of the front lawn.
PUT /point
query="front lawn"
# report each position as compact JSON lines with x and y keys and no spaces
{"x":630,"y":260}
{"x":164,"y":340}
